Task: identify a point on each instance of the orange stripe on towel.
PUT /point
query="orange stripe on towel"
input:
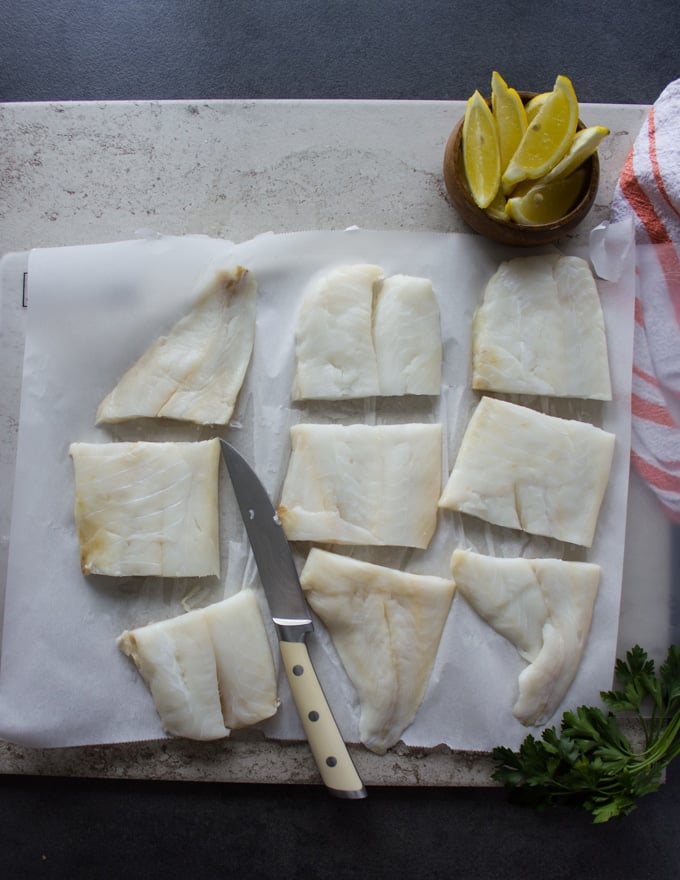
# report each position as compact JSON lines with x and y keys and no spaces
{"x":654,"y":475}
{"x":655,"y":229}
{"x":640,"y":203}
{"x":651,"y":380}
{"x":639,"y":312}
{"x":651,"y":412}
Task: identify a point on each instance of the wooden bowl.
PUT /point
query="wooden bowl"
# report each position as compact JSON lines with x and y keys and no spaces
{"x":510,"y":232}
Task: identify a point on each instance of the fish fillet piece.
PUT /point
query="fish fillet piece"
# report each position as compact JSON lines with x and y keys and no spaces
{"x":146,"y":508}
{"x":545,"y":608}
{"x":194,"y":373}
{"x":334,"y":351}
{"x":362,"y":484}
{"x":177,"y":661}
{"x":526,"y":470}
{"x":386,"y":626}
{"x":210,"y":670}
{"x":540,"y":330}
{"x":245,"y":665}
{"x":360,"y":334}
{"x":407,"y":337}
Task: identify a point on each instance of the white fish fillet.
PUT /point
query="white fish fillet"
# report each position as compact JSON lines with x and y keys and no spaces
{"x":540,"y":330}
{"x":210,"y":670}
{"x":245,"y":665}
{"x":525,"y":470}
{"x":362,"y":335}
{"x":195,"y":372}
{"x":407,"y":337}
{"x":176,"y":659}
{"x":386,"y":626}
{"x":333,"y":338}
{"x":147,"y":508}
{"x":361,"y":484}
{"x":544,"y":607}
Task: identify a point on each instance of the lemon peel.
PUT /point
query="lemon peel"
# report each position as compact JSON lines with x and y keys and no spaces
{"x":547,"y":137}
{"x":481,"y":151}
{"x":545,"y":202}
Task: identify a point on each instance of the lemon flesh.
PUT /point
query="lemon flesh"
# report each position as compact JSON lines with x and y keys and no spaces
{"x":546,"y":202}
{"x":481,"y":151}
{"x":534,"y":105}
{"x":583,"y":146}
{"x":547,"y":137}
{"x":510,"y":116}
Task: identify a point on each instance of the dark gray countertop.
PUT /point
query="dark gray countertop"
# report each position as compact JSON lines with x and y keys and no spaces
{"x":622,"y":52}
{"x":434,"y":49}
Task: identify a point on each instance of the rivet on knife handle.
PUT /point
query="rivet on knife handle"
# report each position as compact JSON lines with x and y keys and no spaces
{"x":330,"y":752}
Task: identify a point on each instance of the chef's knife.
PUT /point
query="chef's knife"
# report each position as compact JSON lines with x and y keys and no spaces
{"x":293,"y":621}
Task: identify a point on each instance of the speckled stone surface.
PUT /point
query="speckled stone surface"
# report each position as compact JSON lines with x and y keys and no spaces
{"x":79,"y":173}
{"x":82,"y":173}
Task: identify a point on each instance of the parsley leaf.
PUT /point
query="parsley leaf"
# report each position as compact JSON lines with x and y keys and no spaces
{"x":589,"y":762}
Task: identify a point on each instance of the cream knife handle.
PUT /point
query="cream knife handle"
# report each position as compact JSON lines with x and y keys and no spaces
{"x":328,"y":747}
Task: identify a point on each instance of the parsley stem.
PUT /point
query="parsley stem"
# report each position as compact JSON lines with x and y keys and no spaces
{"x":664,"y":748}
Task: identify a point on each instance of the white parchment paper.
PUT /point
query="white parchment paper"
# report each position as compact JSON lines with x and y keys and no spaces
{"x":92,"y":311}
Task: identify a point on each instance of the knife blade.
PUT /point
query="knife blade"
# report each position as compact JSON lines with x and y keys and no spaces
{"x":293,"y":621}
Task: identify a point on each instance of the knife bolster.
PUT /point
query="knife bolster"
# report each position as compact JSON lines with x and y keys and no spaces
{"x":293,"y":632}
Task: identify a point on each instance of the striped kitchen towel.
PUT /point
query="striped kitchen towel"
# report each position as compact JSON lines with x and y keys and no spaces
{"x":649,"y":191}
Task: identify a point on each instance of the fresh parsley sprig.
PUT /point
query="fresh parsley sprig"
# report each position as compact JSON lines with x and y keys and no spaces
{"x":590,"y":762}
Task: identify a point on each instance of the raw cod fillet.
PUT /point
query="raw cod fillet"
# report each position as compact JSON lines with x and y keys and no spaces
{"x":245,"y":666}
{"x":540,"y":330}
{"x":361,"y":484}
{"x":407,"y":337}
{"x":194,"y":373}
{"x":544,"y":607}
{"x":209,"y":671}
{"x":147,"y":508}
{"x":386,"y":626}
{"x":525,"y":470}
{"x":333,"y":338}
{"x":360,"y":334}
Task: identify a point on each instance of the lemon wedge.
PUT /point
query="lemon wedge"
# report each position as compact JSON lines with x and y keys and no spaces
{"x":534,"y":104}
{"x":545,"y":202}
{"x":497,"y":207}
{"x":481,"y":152}
{"x":510,"y":116}
{"x":547,"y":137}
{"x":583,"y":146}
